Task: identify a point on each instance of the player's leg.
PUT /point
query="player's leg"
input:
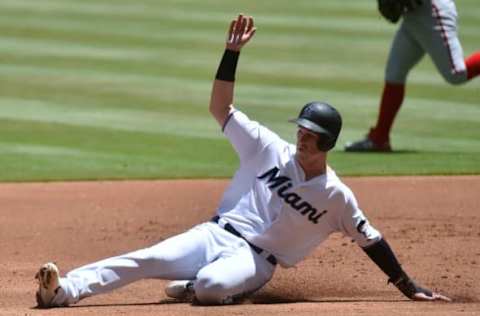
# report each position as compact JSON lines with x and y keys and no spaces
{"x":444,"y":47}
{"x":236,"y":271}
{"x":405,"y":53}
{"x":179,"y":257}
{"x":232,"y":276}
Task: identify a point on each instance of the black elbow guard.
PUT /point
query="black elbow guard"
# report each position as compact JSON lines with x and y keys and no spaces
{"x":383,"y":256}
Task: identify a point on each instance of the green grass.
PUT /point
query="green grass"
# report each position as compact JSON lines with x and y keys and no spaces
{"x":104,"y":89}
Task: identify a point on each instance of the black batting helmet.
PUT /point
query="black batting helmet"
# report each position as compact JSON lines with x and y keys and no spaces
{"x":323,"y":119}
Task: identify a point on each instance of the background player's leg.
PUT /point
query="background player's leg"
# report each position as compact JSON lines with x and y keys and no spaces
{"x":179,"y":257}
{"x":404,"y":54}
{"x":232,"y":276}
{"x":444,"y":47}
{"x":391,"y":101}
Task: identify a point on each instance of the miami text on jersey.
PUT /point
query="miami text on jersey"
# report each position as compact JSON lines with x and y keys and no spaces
{"x":281,"y":184}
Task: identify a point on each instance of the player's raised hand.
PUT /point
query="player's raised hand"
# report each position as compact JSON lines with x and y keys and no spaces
{"x":240,"y":32}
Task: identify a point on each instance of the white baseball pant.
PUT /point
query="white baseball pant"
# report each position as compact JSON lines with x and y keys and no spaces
{"x":222,"y":265}
{"x":430,"y":29}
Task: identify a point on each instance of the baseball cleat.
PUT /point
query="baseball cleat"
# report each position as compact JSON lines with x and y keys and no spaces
{"x":180,"y":290}
{"x":367,"y":145}
{"x":48,"y":285}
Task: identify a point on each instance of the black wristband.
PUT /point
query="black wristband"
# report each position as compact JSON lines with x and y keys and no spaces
{"x":408,"y":287}
{"x":228,"y":66}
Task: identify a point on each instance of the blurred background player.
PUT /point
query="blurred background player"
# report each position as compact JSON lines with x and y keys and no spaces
{"x":428,"y":26}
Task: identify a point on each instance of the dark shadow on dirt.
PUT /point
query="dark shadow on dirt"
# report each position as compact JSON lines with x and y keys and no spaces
{"x":269,"y":299}
{"x":163,"y":302}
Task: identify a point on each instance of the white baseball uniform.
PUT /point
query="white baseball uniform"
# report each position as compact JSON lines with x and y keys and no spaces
{"x":431,"y":29}
{"x":268,"y":202}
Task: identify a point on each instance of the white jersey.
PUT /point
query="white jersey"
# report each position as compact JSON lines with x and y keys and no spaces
{"x":272,"y":205}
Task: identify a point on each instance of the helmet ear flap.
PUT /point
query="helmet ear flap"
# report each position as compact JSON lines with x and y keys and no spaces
{"x":325,"y":142}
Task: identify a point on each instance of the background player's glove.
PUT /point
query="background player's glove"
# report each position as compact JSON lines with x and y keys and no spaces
{"x":392,"y":10}
{"x":415,"y":292}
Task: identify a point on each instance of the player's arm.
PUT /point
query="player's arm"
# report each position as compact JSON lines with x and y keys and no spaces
{"x":381,"y":253}
{"x":240,"y":32}
{"x":355,"y":224}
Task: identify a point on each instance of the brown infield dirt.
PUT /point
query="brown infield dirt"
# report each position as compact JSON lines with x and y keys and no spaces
{"x":432,"y":223}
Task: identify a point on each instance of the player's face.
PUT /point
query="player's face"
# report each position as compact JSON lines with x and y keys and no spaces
{"x":306,"y":142}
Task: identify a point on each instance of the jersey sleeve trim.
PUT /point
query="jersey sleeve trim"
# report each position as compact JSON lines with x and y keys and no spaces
{"x":228,"y":120}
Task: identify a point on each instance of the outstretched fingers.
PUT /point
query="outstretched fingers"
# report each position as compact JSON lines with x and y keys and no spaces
{"x":230,"y":31}
{"x":235,"y":31}
{"x":241,"y":30}
{"x":434,"y":297}
{"x":251,"y":29}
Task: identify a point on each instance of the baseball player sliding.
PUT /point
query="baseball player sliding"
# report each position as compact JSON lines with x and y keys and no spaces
{"x":283,"y":201}
{"x":428,"y":27}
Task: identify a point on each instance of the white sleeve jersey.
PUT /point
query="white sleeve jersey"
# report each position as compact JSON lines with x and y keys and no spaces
{"x":272,"y":205}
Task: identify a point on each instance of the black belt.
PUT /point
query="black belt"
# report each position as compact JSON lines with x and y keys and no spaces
{"x":229,"y":228}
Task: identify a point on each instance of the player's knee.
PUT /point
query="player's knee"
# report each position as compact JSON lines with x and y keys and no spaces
{"x":396,"y":77}
{"x":211,"y":290}
{"x":455,"y":78}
